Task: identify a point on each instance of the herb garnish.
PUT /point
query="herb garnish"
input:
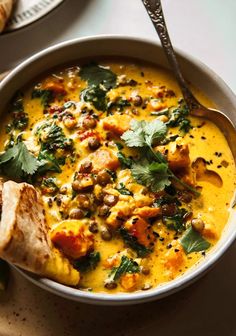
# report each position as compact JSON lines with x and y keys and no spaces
{"x":88,"y":262}
{"x":132,"y":242}
{"x":192,"y":241}
{"x":100,"y":80}
{"x":96,"y":74}
{"x":144,"y":135}
{"x":48,"y":162}
{"x":176,"y":222}
{"x":52,"y":137}
{"x":178,"y":118}
{"x":95,"y":95}
{"x":17,"y":162}
{"x":127,"y":265}
{"x":45,"y":95}
{"x":125,"y":161}
{"x":154,"y":176}
{"x":123,"y":190}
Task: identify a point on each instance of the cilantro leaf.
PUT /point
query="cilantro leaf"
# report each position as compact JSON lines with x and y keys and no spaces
{"x":95,"y":75}
{"x":133,"y":243}
{"x":144,"y":133}
{"x":154,"y":132}
{"x":123,"y":190}
{"x":154,"y":175}
{"x":96,"y":96}
{"x":88,"y":262}
{"x":17,"y":162}
{"x":127,"y":265}
{"x":192,"y":241}
{"x":135,"y":136}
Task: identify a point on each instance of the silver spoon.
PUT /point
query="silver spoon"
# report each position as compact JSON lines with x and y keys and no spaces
{"x":155,"y":12}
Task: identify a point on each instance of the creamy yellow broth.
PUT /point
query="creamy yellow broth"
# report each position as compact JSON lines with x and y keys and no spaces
{"x":204,"y":140}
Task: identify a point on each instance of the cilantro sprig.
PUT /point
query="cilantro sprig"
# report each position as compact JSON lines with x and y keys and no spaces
{"x":143,"y":135}
{"x":18,"y":162}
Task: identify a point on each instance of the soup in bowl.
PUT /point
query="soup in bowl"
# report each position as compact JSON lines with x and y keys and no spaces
{"x":110,"y":188}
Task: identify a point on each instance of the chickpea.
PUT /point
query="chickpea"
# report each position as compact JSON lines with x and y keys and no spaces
{"x":63,"y":190}
{"x":198,"y":224}
{"x":103,"y":210}
{"x":145,"y":270}
{"x":76,"y":214}
{"x":93,"y":227}
{"x":163,"y":118}
{"x":103,"y":178}
{"x":69,"y":122}
{"x":106,"y":234}
{"x":93,"y":143}
{"x":110,"y":285}
{"x":83,"y":183}
{"x":110,"y":200}
{"x":83,"y":201}
{"x":89,"y":122}
{"x":137,"y":100}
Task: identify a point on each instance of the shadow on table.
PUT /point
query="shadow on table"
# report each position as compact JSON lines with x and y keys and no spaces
{"x":42,"y":33}
{"x":205,"y":308}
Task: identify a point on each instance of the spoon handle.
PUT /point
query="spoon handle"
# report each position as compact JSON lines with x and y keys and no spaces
{"x":154,"y":10}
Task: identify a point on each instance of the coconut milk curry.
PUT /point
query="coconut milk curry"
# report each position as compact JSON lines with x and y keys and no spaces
{"x":135,"y":191}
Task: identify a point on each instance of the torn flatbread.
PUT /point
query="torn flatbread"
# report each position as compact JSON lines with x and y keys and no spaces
{"x":5,"y":12}
{"x":24,"y":238}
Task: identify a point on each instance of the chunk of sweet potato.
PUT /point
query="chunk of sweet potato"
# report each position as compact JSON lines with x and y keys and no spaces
{"x":174,"y":259}
{"x":104,"y":158}
{"x":177,"y":155}
{"x":56,"y":87}
{"x":117,"y":123}
{"x":73,"y":238}
{"x":141,"y":229}
{"x":121,"y":211}
{"x":129,"y":281}
{"x":147,"y":212}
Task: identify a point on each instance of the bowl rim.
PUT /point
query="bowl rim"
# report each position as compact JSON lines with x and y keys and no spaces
{"x":166,"y":288}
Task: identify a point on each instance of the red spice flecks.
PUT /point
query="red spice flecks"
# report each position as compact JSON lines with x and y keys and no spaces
{"x":88,"y":134}
{"x":55,"y":109}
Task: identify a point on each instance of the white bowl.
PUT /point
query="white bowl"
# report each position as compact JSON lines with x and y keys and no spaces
{"x":196,"y":72}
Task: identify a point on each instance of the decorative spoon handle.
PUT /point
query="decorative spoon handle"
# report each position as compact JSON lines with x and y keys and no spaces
{"x":154,"y":9}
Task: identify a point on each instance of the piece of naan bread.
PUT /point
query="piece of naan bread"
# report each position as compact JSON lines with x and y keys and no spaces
{"x":24,"y":238}
{"x":5,"y":12}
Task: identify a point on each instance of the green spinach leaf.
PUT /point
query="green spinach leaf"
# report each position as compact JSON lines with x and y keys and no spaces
{"x":96,"y":96}
{"x":88,"y":262}
{"x":192,"y":241}
{"x":95,"y":75}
